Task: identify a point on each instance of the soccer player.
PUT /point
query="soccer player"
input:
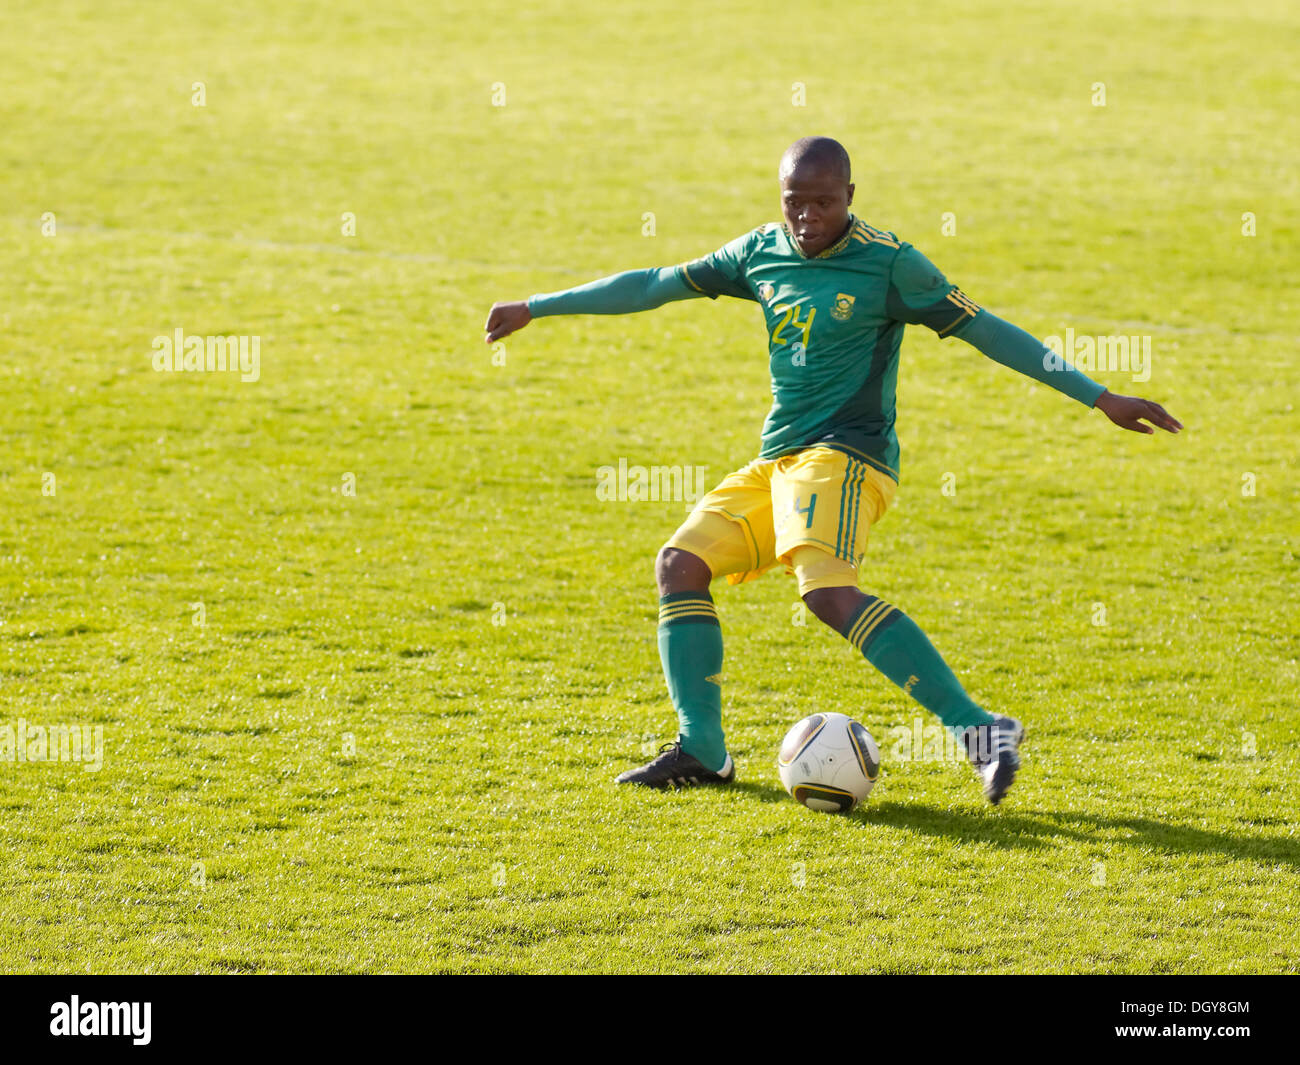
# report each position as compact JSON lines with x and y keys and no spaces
{"x":835,"y":293}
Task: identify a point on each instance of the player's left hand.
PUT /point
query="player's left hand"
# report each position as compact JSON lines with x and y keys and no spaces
{"x":506,"y":318}
{"x":1128,"y":411}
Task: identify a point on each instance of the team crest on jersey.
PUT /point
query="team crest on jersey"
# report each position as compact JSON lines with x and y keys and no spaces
{"x":843,"y":309}
{"x":766,"y":292}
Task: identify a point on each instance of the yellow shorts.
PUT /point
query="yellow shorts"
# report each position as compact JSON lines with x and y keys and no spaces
{"x":776,"y":509}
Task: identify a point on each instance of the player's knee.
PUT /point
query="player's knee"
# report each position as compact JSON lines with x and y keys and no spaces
{"x":834,"y":606}
{"x":827,"y":584}
{"x":677,"y":570}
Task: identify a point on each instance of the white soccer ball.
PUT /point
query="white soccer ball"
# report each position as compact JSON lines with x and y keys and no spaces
{"x":829,"y":762}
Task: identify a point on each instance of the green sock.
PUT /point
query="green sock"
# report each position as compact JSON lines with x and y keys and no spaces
{"x":690,"y":647}
{"x":892,"y":642}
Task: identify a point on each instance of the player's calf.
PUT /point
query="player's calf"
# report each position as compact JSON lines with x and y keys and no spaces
{"x":690,"y":648}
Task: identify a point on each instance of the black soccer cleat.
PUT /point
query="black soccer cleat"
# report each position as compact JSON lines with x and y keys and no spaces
{"x":994,"y":751}
{"x":674,"y":768}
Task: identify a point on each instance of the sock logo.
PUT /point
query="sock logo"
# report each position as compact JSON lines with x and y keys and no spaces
{"x":911,"y":682}
{"x":715,"y":679}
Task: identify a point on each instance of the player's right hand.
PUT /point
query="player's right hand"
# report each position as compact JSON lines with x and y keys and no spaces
{"x":506,"y":318}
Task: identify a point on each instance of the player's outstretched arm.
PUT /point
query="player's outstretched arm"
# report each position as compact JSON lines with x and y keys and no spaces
{"x":625,"y":293}
{"x":1012,"y":346}
{"x":919,"y":293}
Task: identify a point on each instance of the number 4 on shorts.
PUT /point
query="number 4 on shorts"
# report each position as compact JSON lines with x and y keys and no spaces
{"x":808,"y":510}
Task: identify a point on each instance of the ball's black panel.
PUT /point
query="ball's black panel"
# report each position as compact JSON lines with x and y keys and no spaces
{"x":862,"y":746}
{"x":838,"y":797}
{"x":799,"y":738}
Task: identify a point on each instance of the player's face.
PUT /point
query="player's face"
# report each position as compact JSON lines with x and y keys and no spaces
{"x":815,"y":205}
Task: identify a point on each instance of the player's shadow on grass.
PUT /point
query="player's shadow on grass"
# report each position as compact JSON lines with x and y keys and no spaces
{"x":1039,"y":829}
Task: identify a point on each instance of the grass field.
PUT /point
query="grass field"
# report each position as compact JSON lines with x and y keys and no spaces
{"x":367,"y":650}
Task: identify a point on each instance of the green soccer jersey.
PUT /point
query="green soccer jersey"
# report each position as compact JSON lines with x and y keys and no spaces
{"x":834,"y":324}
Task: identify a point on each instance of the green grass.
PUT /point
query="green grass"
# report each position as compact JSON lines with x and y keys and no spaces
{"x":475,"y":827}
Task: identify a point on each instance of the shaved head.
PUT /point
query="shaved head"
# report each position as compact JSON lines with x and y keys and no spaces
{"x":816,"y":153}
{"x":816,"y":192}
